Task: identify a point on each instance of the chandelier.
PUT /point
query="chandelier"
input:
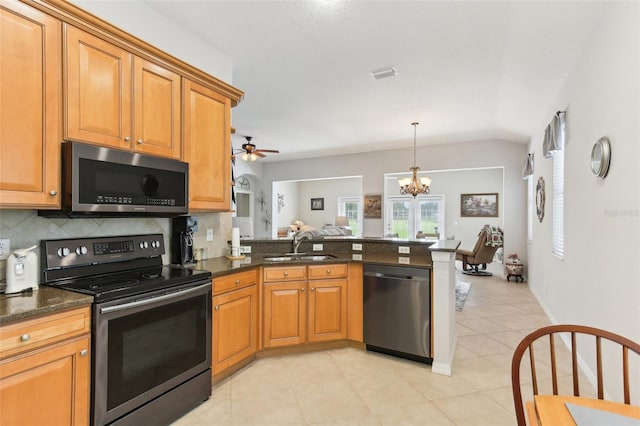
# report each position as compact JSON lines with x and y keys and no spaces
{"x":414,"y":185}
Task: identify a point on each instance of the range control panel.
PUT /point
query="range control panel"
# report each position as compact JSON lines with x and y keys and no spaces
{"x":74,"y":252}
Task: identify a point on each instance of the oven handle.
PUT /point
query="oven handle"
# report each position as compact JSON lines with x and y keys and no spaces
{"x":153,"y":299}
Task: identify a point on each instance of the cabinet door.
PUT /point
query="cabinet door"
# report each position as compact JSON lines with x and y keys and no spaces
{"x":47,"y":387}
{"x":284,"y":313}
{"x":157,"y":109}
{"x":327,"y":310}
{"x":30,"y":120}
{"x":207,"y":147}
{"x":98,"y":90}
{"x":235,"y":327}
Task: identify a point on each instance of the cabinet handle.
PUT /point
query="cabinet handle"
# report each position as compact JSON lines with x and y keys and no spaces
{"x":127,"y":138}
{"x":84,"y":352}
{"x":328,"y":271}
{"x":140,"y":141}
{"x":53,"y":192}
{"x":237,"y":282}
{"x":25,"y":337}
{"x":313,"y":289}
{"x":286,"y":274}
{"x":217,"y":308}
{"x":302,"y":289}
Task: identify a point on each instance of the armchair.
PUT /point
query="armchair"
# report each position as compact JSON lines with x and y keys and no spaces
{"x":489,"y":241}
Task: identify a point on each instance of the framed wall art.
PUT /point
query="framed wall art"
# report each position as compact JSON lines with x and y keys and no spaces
{"x":479,"y":205}
{"x":373,"y":206}
{"x":317,"y":204}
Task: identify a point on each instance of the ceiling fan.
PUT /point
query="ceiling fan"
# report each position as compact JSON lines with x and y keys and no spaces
{"x":251,"y":153}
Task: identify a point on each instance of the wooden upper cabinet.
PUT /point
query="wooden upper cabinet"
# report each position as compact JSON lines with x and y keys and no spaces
{"x":30,"y":108}
{"x":98,"y":90}
{"x":157,"y":109}
{"x":116,"y":99}
{"x":207,"y":147}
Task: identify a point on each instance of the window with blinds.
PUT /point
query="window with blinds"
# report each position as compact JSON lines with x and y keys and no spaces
{"x":557,"y":237}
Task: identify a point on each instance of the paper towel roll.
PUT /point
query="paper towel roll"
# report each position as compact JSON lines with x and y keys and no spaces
{"x":235,"y":238}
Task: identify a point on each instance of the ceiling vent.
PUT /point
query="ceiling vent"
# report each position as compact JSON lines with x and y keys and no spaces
{"x":384,"y":73}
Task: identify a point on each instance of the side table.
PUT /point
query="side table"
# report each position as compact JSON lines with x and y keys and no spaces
{"x":515,"y":270}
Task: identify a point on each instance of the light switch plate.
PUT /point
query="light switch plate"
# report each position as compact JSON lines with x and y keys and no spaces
{"x":356,"y":256}
{"x":356,"y":247}
{"x":5,"y":248}
{"x":404,"y":260}
{"x":209,"y":234}
{"x":245,"y":249}
{"x":404,"y":250}
{"x":318,"y":247}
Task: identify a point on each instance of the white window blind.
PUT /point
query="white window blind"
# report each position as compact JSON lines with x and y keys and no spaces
{"x":557,"y":239}
{"x":530,"y":207}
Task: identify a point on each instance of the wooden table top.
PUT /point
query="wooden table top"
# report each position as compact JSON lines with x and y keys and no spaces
{"x":552,"y":411}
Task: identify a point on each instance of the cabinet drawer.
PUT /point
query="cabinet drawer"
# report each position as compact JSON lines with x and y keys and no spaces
{"x":285,"y":273}
{"x":234,"y":281}
{"x":334,"y":270}
{"x":46,"y":330}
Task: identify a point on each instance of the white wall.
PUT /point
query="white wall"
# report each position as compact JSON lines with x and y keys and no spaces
{"x":144,"y":22}
{"x":597,"y":281}
{"x":373,"y":165}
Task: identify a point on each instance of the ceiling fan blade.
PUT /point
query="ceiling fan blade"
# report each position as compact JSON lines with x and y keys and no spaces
{"x":259,"y":154}
{"x":275,"y":151}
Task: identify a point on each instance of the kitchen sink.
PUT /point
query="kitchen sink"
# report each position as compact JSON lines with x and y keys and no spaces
{"x":299,"y":258}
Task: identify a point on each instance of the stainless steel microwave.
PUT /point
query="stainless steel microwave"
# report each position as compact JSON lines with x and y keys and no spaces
{"x":105,"y":182}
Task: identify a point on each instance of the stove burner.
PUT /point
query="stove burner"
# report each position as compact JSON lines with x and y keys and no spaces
{"x":150,"y":276}
{"x":111,"y":282}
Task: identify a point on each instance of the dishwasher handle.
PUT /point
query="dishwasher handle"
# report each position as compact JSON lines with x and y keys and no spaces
{"x":395,"y":277}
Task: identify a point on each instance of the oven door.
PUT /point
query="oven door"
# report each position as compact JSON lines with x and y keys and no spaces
{"x":144,"y":348}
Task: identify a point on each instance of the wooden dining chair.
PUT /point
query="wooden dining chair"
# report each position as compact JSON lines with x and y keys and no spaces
{"x":546,"y":336}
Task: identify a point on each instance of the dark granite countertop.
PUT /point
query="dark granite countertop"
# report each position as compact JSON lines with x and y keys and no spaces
{"x":220,"y":266}
{"x":48,"y":299}
{"x":45,"y":300}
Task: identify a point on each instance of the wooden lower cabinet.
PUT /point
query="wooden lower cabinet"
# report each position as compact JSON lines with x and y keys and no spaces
{"x":327,"y":310}
{"x":48,"y":387}
{"x":284,"y":316}
{"x":235,"y":327}
{"x":45,"y":367}
{"x":313,"y":310}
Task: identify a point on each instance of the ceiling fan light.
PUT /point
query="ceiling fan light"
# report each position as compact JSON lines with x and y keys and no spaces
{"x":245,"y":156}
{"x":253,"y":157}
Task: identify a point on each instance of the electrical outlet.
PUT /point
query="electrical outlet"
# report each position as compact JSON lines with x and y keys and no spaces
{"x":5,"y":248}
{"x":318,"y":247}
{"x":245,"y":249}
{"x":404,"y":260}
{"x":356,"y":247}
{"x":356,"y":256}
{"x":404,"y":250}
{"x":209,"y":234}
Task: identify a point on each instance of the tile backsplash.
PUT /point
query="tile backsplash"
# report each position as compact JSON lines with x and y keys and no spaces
{"x":25,"y":228}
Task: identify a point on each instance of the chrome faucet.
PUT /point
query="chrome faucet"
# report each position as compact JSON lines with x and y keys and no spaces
{"x":298,"y":237}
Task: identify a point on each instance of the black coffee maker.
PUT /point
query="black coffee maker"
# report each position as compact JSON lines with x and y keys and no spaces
{"x":182,"y":229}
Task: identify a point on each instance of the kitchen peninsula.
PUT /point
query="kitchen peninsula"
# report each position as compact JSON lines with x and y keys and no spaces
{"x":264,"y":255}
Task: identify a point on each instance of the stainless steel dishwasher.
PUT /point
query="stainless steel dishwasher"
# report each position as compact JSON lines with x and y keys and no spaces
{"x":397,"y":311}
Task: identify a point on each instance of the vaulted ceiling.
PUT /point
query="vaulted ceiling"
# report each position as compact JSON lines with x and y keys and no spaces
{"x":467,"y":71}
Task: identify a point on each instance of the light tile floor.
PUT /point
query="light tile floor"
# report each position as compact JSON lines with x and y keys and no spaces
{"x":353,"y":387}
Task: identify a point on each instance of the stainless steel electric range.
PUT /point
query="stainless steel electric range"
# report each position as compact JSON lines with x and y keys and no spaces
{"x":151,"y":326}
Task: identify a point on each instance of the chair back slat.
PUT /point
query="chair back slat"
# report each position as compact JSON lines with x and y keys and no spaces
{"x":625,"y":374}
{"x":554,"y":369}
{"x":534,"y":376}
{"x":527,"y":344}
{"x":599,"y":367}
{"x":574,"y":364}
